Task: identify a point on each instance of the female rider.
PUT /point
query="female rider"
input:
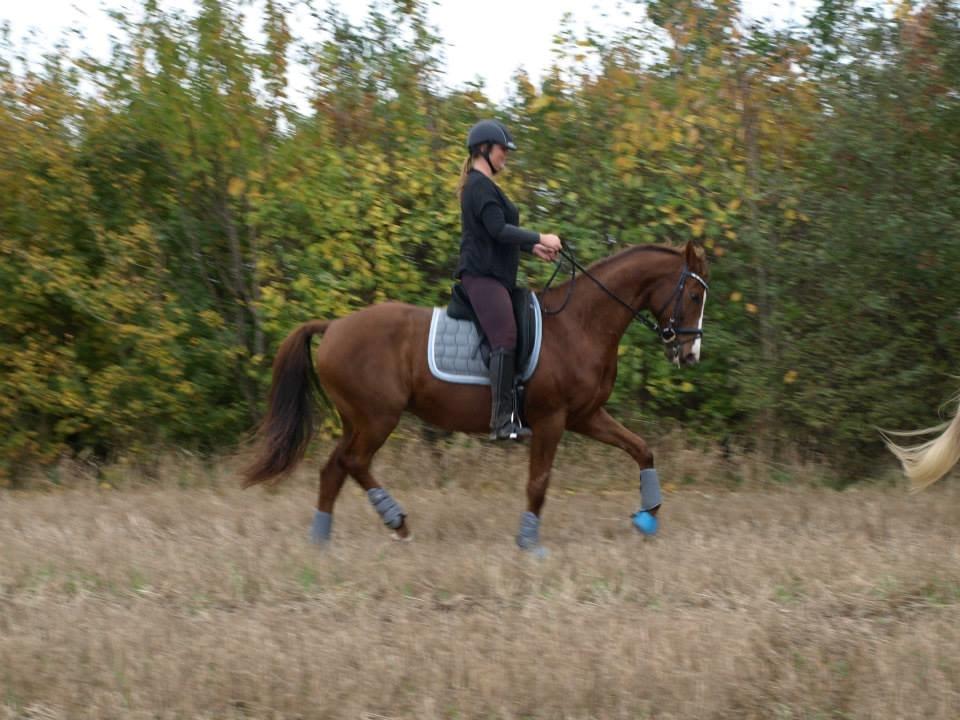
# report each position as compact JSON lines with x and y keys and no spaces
{"x":490,"y":246}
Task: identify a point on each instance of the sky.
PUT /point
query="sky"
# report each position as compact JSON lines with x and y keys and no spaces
{"x":519,"y":33}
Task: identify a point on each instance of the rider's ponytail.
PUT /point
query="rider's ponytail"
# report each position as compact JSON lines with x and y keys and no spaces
{"x":467,"y":164}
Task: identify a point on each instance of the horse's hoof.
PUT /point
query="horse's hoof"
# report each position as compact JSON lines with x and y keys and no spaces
{"x":320,"y":530}
{"x":645,"y":522}
{"x":537,"y":551}
{"x":397,"y":537}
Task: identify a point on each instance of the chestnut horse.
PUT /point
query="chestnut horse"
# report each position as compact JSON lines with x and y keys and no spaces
{"x":929,"y":461}
{"x":372,"y":365}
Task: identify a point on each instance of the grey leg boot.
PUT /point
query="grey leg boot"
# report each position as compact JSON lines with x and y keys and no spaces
{"x":504,"y":424}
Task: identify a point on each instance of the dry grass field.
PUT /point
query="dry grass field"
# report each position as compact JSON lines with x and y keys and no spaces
{"x":184,"y":597}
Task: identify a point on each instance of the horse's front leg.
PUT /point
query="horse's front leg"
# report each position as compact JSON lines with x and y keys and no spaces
{"x":543,"y":448}
{"x":600,"y":426}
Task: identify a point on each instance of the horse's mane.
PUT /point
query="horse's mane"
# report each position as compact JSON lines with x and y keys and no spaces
{"x":598,"y":266}
{"x":633,"y":249}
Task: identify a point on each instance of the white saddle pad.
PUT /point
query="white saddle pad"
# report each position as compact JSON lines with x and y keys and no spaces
{"x":453,"y":348}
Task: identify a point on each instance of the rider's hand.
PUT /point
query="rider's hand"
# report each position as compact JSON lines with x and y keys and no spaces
{"x":550,"y":241}
{"x":544,"y":253}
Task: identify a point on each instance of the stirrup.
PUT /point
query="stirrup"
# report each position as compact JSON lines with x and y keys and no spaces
{"x":511,"y":431}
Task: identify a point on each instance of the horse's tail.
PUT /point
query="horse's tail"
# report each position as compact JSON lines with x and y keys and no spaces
{"x":288,"y":426}
{"x":926,"y":463}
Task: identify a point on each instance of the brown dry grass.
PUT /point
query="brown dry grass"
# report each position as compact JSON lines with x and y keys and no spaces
{"x":187,"y":598}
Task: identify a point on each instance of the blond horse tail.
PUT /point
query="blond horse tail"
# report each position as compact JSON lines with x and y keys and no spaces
{"x":926,"y":463}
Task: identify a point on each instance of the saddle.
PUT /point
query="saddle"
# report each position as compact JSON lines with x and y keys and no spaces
{"x":460,"y":308}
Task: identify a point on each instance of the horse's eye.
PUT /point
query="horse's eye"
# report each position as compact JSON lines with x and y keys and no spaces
{"x":697,"y":299}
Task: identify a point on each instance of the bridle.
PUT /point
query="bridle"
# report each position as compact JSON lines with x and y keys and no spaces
{"x":669,"y":333}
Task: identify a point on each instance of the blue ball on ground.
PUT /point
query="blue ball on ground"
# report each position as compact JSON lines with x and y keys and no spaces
{"x":645,"y":522}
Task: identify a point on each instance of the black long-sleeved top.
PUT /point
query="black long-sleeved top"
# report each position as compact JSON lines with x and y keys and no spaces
{"x":491,"y":241}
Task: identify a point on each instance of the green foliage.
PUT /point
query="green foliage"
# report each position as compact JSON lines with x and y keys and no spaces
{"x":169,"y":215}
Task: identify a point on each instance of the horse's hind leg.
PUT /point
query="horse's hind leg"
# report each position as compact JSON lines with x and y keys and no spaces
{"x":332,"y":477}
{"x":369,"y":435}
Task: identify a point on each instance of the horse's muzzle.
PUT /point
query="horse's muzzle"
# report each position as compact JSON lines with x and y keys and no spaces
{"x":681,"y":355}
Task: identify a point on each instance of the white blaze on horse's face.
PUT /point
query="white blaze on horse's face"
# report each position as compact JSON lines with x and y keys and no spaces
{"x":695,"y":351}
{"x":687,"y":352}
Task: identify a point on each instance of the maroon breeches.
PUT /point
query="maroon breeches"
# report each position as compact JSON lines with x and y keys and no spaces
{"x":491,"y":302}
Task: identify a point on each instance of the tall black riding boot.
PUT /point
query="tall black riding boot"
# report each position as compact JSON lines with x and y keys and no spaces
{"x":504,"y":421}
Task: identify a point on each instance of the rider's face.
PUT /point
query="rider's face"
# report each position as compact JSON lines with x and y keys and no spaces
{"x":498,"y":156}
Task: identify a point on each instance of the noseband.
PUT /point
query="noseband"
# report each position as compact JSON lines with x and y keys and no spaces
{"x":669,"y":334}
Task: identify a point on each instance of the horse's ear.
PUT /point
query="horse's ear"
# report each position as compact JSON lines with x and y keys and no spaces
{"x":695,"y":257}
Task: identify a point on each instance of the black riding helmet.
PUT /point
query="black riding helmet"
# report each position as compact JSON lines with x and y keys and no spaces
{"x":490,"y":131}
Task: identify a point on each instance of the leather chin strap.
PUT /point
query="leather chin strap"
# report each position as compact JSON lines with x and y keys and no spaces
{"x":486,"y":156}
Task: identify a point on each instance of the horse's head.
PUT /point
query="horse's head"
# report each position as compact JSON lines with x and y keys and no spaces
{"x":680,"y":304}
